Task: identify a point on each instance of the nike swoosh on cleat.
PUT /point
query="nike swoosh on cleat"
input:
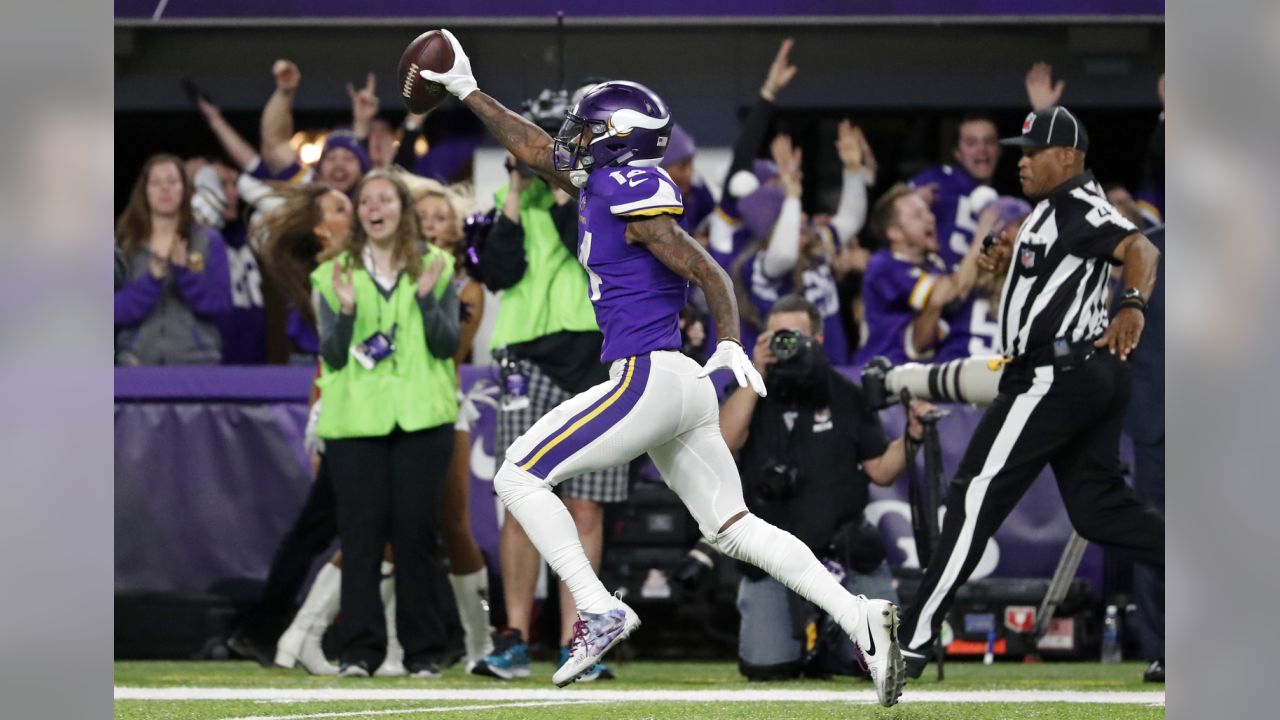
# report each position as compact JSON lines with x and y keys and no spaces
{"x":872,"y":638}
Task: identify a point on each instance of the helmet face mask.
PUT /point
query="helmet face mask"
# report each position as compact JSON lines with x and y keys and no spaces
{"x":615,"y":123}
{"x":573,"y":143}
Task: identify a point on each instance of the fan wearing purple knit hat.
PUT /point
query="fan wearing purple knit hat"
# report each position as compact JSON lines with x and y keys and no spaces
{"x":678,"y":162}
{"x":344,"y":159}
{"x":789,"y":254}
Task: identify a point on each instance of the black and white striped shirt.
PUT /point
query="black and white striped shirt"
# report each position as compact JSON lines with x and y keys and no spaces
{"x":1057,"y":281}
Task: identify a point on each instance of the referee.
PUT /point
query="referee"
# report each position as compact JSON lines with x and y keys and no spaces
{"x":1065,"y":388}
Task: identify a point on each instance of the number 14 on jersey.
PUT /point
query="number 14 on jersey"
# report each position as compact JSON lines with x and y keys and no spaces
{"x":584,"y":257}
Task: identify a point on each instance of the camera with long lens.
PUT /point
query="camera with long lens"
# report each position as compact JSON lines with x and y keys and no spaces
{"x":786,"y":345}
{"x":974,"y":380}
{"x":795,"y":354}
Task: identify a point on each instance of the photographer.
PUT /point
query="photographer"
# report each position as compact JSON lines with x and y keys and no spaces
{"x":794,"y":453}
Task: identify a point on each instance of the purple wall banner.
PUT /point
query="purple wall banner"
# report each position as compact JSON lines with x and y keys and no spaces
{"x":208,"y":482}
{"x":656,"y":10}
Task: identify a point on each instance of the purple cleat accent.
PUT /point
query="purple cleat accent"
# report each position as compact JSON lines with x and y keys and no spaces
{"x":593,"y":635}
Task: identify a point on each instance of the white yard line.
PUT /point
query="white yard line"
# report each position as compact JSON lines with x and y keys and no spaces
{"x":411,"y":711}
{"x":535,"y":695}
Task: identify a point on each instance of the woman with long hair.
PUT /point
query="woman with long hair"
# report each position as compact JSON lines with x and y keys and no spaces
{"x":441,"y":212}
{"x":176,"y":279}
{"x":307,"y":228}
{"x":306,"y":225}
{"x":387,"y":315}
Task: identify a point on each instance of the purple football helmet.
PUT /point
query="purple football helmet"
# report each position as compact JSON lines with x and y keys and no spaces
{"x":623,"y":123}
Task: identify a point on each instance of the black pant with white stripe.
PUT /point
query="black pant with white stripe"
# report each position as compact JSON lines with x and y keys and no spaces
{"x":1070,"y":420}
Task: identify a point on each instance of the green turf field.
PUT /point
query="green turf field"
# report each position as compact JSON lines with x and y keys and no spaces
{"x":226,"y":690}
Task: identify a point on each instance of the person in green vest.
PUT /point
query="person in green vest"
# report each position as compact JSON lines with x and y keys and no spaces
{"x":388,"y":321}
{"x":549,"y":342}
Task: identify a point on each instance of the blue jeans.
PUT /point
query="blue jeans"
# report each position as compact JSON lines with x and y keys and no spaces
{"x":767,"y":636}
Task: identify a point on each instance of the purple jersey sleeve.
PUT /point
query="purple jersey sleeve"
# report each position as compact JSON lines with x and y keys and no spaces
{"x":893,"y":292}
{"x":902,"y":286}
{"x":136,"y":299}
{"x":633,"y":192}
{"x":208,"y":289}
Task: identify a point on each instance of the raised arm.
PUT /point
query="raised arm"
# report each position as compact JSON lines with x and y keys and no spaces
{"x":277,"y":116}
{"x":756,"y":124}
{"x":529,"y":143}
{"x":783,"y":250}
{"x":858,"y":172}
{"x":364,"y":107}
{"x":1042,"y":91}
{"x":241,"y":152}
{"x":410,"y":129}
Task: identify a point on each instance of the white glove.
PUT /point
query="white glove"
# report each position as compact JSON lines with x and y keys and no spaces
{"x":208,"y":200}
{"x":459,"y":81}
{"x":729,"y":354}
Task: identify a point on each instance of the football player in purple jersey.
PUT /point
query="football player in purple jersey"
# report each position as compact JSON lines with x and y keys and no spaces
{"x":639,"y":264}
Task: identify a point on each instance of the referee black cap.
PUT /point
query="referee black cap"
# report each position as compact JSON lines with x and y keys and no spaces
{"x":1054,"y":126}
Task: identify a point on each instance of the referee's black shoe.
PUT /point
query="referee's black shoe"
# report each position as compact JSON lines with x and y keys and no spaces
{"x":1154,"y":672}
{"x":915,"y":662}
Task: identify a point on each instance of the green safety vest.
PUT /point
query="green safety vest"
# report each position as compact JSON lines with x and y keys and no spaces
{"x":552,"y":295}
{"x":410,"y":389}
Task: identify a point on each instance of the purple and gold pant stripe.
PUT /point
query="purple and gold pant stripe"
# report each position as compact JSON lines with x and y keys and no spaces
{"x":589,"y":424}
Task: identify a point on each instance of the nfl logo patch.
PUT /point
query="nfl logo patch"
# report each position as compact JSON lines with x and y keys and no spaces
{"x":1026,"y":124}
{"x":1028,"y":258}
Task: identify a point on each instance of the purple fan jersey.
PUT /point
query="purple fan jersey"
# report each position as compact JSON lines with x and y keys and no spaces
{"x":637,"y":299}
{"x":973,"y":331}
{"x":819,"y":289}
{"x":893,"y":291}
{"x":244,"y":326}
{"x":956,"y":216}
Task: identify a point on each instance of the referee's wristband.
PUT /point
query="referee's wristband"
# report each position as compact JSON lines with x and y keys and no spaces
{"x":1132,"y":302}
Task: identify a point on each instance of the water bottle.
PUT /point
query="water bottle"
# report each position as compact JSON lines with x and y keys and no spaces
{"x":1111,"y":636}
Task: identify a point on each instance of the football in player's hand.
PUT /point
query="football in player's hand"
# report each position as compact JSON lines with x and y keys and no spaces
{"x":429,"y":51}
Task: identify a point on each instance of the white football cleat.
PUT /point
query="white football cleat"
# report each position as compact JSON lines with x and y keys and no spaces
{"x":593,"y":635}
{"x":877,"y":641}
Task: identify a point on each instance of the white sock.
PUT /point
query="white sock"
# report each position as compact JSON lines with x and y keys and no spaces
{"x":550,"y":527}
{"x":471,"y":593}
{"x":793,"y":564}
{"x":387,"y":588}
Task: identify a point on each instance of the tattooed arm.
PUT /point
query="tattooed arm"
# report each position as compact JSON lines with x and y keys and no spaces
{"x":529,"y":143}
{"x":679,"y":251}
